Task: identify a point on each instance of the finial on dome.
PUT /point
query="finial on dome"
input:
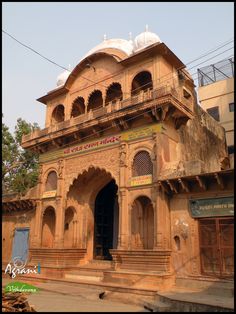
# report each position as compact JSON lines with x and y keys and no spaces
{"x":69,"y":67}
{"x":130,"y":36}
{"x":146,"y":28}
{"x":105,"y":37}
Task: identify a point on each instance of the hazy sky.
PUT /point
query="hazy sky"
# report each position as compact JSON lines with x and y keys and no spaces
{"x":65,"y":31}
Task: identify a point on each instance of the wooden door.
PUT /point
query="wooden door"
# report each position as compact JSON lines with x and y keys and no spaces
{"x":217,"y":246}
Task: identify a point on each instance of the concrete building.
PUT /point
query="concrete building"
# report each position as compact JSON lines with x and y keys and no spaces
{"x":216,"y":95}
{"x":134,"y":175}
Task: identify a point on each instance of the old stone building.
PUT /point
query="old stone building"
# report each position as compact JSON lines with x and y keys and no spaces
{"x":131,"y":169}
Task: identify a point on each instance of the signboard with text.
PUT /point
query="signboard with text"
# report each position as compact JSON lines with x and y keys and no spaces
{"x":141,"y":180}
{"x":49,"y":194}
{"x":211,"y":207}
{"x":104,"y":142}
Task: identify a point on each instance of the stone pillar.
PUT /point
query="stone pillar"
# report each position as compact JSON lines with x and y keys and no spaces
{"x":60,"y":221}
{"x":60,"y":206}
{"x":36,"y":241}
{"x":124,"y":219}
{"x":162,"y":222}
{"x":124,"y":225}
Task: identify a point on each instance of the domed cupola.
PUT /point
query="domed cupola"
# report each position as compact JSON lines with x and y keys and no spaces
{"x":61,"y":79}
{"x":145,"y":39}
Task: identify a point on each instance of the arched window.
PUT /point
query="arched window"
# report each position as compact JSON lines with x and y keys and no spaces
{"x":95,"y":100}
{"x":142,"y":224}
{"x":58,"y":114}
{"x":141,"y":81}
{"x":113,"y":93}
{"x":78,"y":107}
{"x":142,"y":164}
{"x":51,"y":183}
{"x":48,"y":227}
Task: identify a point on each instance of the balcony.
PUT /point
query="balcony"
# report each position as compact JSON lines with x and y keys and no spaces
{"x":157,"y":98}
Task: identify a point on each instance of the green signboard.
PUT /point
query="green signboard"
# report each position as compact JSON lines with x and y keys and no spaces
{"x":212,"y":207}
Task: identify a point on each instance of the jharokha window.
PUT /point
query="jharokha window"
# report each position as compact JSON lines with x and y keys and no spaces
{"x":142,"y":164}
{"x":51,"y":183}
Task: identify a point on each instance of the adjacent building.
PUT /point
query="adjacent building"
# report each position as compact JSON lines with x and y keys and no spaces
{"x":216,"y":95}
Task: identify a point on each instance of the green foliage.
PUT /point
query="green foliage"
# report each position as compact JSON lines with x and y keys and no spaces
{"x":19,"y":166}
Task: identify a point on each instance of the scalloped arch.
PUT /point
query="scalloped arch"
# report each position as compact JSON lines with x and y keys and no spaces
{"x":86,"y":171}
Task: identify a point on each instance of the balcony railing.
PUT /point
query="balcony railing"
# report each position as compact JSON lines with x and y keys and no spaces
{"x":143,"y":96}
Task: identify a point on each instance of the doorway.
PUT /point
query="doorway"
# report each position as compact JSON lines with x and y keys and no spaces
{"x":217,"y":246}
{"x":106,"y":216}
{"x":20,"y":244}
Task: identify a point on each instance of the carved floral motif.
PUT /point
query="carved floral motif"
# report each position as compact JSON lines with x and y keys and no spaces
{"x":104,"y":160}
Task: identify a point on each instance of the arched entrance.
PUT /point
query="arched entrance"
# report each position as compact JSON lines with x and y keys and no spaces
{"x":93,"y":193}
{"x":106,"y":221}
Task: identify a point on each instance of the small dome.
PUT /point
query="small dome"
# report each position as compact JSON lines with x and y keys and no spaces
{"x":117,"y":43}
{"x":61,"y":79}
{"x":145,"y":39}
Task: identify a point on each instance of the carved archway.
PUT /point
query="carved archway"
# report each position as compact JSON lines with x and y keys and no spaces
{"x":84,"y":190}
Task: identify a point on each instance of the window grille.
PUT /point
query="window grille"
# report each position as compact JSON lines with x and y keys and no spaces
{"x":142,"y":164}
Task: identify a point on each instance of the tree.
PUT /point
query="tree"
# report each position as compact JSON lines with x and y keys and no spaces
{"x":19,"y":166}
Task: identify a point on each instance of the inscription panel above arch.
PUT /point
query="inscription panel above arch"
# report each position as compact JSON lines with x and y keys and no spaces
{"x":107,"y":160}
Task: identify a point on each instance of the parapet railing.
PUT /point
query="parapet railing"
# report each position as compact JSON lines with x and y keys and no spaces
{"x":115,"y":105}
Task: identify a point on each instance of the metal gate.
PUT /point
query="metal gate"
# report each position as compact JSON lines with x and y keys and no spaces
{"x":217,"y":246}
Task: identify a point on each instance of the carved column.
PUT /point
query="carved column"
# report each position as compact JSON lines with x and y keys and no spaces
{"x":123,"y":237}
{"x":162,"y":230}
{"x":60,"y":206}
{"x":36,"y":242}
{"x":60,"y":221}
{"x":124,"y":226}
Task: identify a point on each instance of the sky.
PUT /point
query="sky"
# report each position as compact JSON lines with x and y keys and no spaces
{"x":65,"y":31}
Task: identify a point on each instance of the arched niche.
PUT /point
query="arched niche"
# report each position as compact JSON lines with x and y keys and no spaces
{"x":48,"y":227}
{"x":142,"y":224}
{"x":70,"y":226}
{"x":51,"y":182}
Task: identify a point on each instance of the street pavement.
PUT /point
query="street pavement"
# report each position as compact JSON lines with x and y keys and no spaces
{"x":73,"y":298}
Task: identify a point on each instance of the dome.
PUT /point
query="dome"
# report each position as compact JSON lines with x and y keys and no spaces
{"x":145,"y":39}
{"x":61,"y":79}
{"x":116,"y":43}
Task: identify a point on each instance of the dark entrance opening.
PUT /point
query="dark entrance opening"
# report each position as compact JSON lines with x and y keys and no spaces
{"x":106,"y":221}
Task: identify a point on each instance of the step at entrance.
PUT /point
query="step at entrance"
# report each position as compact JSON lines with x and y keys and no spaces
{"x":93,"y":271}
